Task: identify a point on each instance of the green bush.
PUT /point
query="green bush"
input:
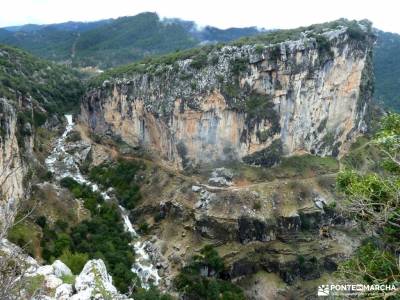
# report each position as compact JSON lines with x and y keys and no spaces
{"x":41,"y":221}
{"x":75,"y":261}
{"x":33,"y":284}
{"x":74,"y":136}
{"x":355,"y":32}
{"x":260,"y":107}
{"x":23,"y":235}
{"x":91,"y":199}
{"x":69,"y":279}
{"x":373,"y":198}
{"x":62,"y":243}
{"x":144,"y":228}
{"x":103,"y":236}
{"x":193,"y":285}
{"x":267,"y":157}
{"x":239,"y":65}
{"x":372,"y":264}
{"x":199,"y":61}
{"x":121,"y":177}
{"x":259,"y":49}
{"x":257,"y":205}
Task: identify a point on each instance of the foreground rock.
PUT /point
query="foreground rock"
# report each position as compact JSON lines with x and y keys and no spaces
{"x":48,"y":281}
{"x":95,"y":283}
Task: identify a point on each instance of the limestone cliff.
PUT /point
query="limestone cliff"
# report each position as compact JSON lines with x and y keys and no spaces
{"x":31,"y":90}
{"x":248,"y":101}
{"x":11,"y":167}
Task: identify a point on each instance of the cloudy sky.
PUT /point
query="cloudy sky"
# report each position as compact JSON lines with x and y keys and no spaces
{"x":221,"y":13}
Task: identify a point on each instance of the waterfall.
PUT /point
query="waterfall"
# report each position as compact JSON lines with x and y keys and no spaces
{"x":63,"y":164}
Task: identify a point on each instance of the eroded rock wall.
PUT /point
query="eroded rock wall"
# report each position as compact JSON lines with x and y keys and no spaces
{"x":11,"y":167}
{"x":294,"y":97}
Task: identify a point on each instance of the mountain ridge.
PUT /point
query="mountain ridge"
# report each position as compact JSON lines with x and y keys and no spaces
{"x":113,"y":42}
{"x":63,"y":43}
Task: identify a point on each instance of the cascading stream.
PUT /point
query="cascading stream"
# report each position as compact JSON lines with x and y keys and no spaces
{"x":63,"y":164}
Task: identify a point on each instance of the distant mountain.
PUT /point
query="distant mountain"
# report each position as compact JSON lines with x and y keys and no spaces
{"x":387,"y":69}
{"x":113,"y":42}
{"x":67,"y":26}
{"x":26,"y":27}
{"x":213,"y":34}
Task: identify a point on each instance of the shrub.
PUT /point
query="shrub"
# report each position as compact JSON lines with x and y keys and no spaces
{"x":257,"y":205}
{"x":83,"y":191}
{"x":355,"y":32}
{"x":41,"y":221}
{"x":61,"y":225}
{"x":372,"y":263}
{"x":33,"y":285}
{"x":199,"y":61}
{"x":74,"y":136}
{"x":196,"y":285}
{"x":260,"y":107}
{"x":23,"y":235}
{"x":62,"y":242}
{"x":144,"y":228}
{"x":310,"y":163}
{"x":239,"y":65}
{"x":121,"y":177}
{"x":75,"y":261}
{"x":39,"y":118}
{"x":70,"y":279}
{"x":268,"y":157}
{"x":259,"y":48}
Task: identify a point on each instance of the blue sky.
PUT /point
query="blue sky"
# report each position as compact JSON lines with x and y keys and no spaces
{"x":220,"y":13}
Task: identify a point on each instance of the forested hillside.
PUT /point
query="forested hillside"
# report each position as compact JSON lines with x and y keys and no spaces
{"x":114,"y":42}
{"x":387,"y":69}
{"x":54,"y":87}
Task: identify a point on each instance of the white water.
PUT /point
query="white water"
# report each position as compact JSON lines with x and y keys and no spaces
{"x":62,"y":164}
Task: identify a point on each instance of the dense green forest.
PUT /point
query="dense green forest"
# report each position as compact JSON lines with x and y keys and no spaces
{"x":387,"y":69}
{"x":114,"y":42}
{"x":54,"y":87}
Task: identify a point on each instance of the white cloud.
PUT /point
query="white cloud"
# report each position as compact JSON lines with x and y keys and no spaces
{"x":221,"y":13}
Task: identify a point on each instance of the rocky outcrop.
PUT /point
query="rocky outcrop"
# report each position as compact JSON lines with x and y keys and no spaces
{"x":250,"y":102}
{"x":252,"y":229}
{"x":11,"y":168}
{"x":95,"y":283}
{"x":247,"y":228}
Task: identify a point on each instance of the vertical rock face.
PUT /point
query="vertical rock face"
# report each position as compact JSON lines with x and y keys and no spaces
{"x":11,"y":168}
{"x":250,"y":102}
